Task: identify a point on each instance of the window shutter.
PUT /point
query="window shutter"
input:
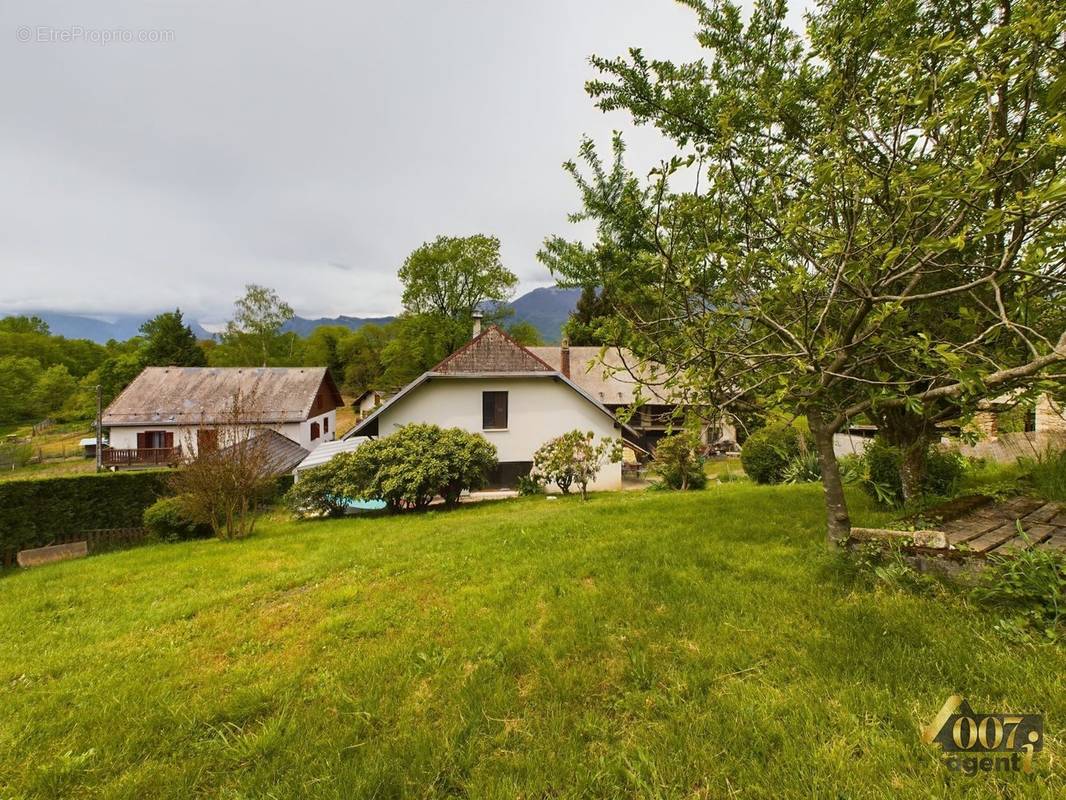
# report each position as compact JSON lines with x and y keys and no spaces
{"x":168,"y":439}
{"x":142,"y":440}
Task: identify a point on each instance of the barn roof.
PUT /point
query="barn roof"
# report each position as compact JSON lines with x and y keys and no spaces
{"x":204,"y":395}
{"x":608,"y":374}
{"x":281,"y":455}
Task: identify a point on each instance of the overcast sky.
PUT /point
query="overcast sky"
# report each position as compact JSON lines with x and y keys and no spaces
{"x":307,"y":146}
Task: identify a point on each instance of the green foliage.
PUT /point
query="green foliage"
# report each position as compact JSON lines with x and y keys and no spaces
{"x":767,"y":452}
{"x":409,"y":468}
{"x":1047,"y":474}
{"x":679,"y":461}
{"x":253,"y":336}
{"x":1031,"y":585}
{"x":169,"y":342}
{"x":583,"y":326}
{"x":803,"y":468}
{"x":574,"y":459}
{"x":528,"y":485}
{"x":32,"y":512}
{"x":320,"y":491}
{"x":168,"y":519}
{"x":846,"y":223}
{"x":881,"y":472}
{"x":451,"y":276}
{"x":525,"y":333}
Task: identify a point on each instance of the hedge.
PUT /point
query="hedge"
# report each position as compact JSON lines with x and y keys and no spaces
{"x":34,"y":512}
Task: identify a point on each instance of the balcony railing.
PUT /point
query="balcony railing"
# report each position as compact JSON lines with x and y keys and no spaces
{"x":141,"y":456}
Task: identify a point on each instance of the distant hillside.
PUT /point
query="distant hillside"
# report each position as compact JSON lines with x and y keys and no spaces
{"x":124,"y":326}
{"x":303,"y":326}
{"x":546,"y":309}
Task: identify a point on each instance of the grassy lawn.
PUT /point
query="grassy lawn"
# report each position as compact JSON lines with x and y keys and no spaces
{"x":640,"y":645}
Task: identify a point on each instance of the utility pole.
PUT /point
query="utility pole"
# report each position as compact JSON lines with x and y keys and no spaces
{"x":99,"y":428}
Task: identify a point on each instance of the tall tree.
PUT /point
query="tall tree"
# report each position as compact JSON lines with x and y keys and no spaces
{"x":169,"y":342}
{"x":451,"y":276}
{"x":872,"y":213}
{"x":254,"y":333}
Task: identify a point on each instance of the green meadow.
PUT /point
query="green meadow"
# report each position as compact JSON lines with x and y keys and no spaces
{"x":643,"y":644}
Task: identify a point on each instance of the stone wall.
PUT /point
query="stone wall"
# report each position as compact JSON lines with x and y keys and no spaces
{"x":1050,"y":418}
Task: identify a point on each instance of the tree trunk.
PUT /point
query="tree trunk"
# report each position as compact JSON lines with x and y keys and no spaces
{"x":912,"y":471}
{"x":909,"y":432}
{"x":838,"y":521}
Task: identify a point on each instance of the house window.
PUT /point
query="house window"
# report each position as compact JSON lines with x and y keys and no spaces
{"x":155,"y":440}
{"x":325,"y":424}
{"x":314,"y":431}
{"x":494,"y":410}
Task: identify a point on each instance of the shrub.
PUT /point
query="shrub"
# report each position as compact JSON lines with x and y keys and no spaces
{"x":1047,"y":474}
{"x":574,"y":459}
{"x":882,"y":481}
{"x":34,"y":512}
{"x":168,"y":520}
{"x":319,"y":492}
{"x":529,"y":485}
{"x":468,"y":459}
{"x":768,"y":451}
{"x":803,"y":468}
{"x":1031,"y":583}
{"x":411,"y":467}
{"x":678,"y":461}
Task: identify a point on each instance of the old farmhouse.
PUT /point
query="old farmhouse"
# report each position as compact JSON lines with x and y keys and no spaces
{"x":169,"y":413}
{"x":500,"y":389}
{"x":609,"y":375}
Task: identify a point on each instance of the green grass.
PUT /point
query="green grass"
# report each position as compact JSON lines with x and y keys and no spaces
{"x":640,"y":645}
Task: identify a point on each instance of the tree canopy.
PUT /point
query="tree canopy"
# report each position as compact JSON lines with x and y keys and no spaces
{"x":863,"y":220}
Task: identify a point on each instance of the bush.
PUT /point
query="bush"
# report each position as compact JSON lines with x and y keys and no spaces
{"x":168,"y":520}
{"x":34,"y":512}
{"x":678,"y":461}
{"x":767,"y":453}
{"x":318,"y":493}
{"x":1032,"y":584}
{"x":1047,"y":474}
{"x":803,"y":468}
{"x":411,"y":467}
{"x":881,"y":477}
{"x":574,"y":459}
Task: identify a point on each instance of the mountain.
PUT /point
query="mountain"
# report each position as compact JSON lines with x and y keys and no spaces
{"x":115,"y":326}
{"x":303,"y":326}
{"x":546,"y":309}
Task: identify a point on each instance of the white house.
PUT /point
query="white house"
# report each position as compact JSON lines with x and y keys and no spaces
{"x":498,"y":388}
{"x":168,"y":413}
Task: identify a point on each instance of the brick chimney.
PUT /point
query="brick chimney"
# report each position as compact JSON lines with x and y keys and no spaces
{"x":564,"y":357}
{"x":477,"y":323}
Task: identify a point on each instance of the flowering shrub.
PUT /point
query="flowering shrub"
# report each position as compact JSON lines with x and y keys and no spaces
{"x":575,"y":458}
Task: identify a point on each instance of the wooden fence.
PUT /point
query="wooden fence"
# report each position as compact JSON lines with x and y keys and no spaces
{"x":99,"y":541}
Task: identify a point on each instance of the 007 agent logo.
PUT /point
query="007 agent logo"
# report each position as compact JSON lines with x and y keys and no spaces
{"x":975,"y":743}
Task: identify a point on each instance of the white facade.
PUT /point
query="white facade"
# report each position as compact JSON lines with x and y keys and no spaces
{"x":125,"y":437}
{"x":538,"y":409}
